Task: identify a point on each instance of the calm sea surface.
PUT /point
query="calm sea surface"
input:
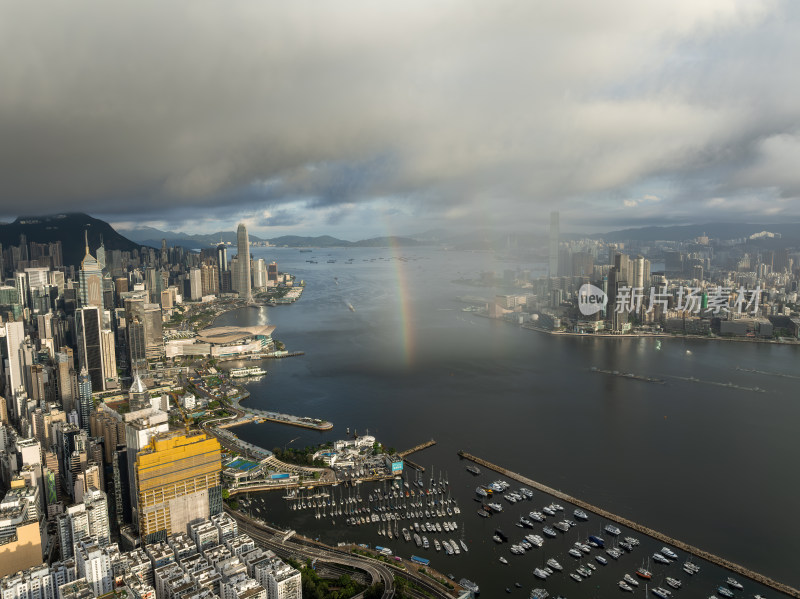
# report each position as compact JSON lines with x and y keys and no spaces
{"x":712,"y":464}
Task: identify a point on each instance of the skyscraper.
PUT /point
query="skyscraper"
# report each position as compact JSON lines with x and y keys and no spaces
{"x":243,"y":269}
{"x":88,"y":323}
{"x":177,"y":481}
{"x":91,"y":280}
{"x":554,"y":233}
{"x":84,"y":398}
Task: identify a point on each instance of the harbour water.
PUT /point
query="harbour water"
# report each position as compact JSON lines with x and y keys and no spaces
{"x":698,"y":459}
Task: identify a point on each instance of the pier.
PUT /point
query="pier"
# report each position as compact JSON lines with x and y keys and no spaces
{"x":714,"y":559}
{"x":415,"y":449}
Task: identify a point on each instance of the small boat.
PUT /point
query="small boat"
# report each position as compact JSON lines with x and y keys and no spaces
{"x":601,"y":559}
{"x":580,"y":515}
{"x":624,"y":586}
{"x":643,"y":573}
{"x":660,"y":558}
{"x":549,"y":531}
{"x":674,"y":582}
{"x":660,"y":592}
{"x":576,"y":553}
{"x":473,"y":470}
{"x":597,"y":541}
{"x":612,"y":530}
{"x":554,"y":564}
{"x":575,"y":577}
{"x":630,"y":580}
{"x":732,"y":582}
{"x":669,"y":553}
{"x":725,"y":592}
{"x":503,"y":560}
{"x":539,"y":573}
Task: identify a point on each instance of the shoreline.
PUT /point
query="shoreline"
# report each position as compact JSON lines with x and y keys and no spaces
{"x":653,"y":335}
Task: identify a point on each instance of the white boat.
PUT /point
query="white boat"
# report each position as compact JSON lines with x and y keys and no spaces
{"x":554,"y":564}
{"x":539,"y":573}
{"x":624,"y":586}
{"x":630,"y":580}
{"x":503,"y":560}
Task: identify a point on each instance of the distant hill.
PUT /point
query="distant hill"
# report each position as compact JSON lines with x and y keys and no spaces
{"x":69,"y":229}
{"x":151,"y":236}
{"x":789,"y":232}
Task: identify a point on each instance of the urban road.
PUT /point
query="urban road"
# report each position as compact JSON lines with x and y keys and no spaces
{"x":288,"y":545}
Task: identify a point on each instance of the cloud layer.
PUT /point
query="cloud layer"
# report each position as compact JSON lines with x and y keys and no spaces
{"x":309,"y":114}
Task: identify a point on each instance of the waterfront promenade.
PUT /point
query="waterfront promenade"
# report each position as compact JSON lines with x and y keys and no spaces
{"x":715,"y":559}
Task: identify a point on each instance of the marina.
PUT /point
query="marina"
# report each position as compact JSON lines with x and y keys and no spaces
{"x":719,"y":561}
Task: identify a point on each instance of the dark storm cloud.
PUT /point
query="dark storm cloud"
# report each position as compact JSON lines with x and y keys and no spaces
{"x":452,"y":112}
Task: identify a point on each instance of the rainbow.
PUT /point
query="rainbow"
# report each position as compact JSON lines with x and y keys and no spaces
{"x":406,"y":332}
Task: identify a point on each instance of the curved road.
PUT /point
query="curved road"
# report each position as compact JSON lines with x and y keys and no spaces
{"x":302,"y":549}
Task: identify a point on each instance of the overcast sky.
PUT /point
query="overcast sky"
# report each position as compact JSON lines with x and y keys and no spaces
{"x":365,"y":118}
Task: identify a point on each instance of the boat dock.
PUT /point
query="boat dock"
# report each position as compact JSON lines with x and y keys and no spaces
{"x":417,"y":448}
{"x":714,"y":559}
{"x":414,"y":449}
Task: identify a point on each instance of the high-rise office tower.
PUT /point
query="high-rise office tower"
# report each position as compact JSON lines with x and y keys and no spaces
{"x":84,"y":398}
{"x":554,"y":234}
{"x":243,"y":274}
{"x":91,"y":280}
{"x":222,"y":258}
{"x":88,"y":323}
{"x":272,"y":272}
{"x":177,"y":481}
{"x":15,"y":374}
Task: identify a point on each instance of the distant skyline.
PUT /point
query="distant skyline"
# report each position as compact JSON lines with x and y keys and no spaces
{"x":386,"y":119}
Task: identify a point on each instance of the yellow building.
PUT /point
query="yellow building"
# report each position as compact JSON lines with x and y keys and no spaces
{"x":177,"y":481}
{"x":20,"y":534}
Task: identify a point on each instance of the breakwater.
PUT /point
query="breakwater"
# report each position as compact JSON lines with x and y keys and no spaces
{"x":710,"y":557}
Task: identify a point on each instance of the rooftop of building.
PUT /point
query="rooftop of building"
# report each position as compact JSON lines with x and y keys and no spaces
{"x":233,"y":334}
